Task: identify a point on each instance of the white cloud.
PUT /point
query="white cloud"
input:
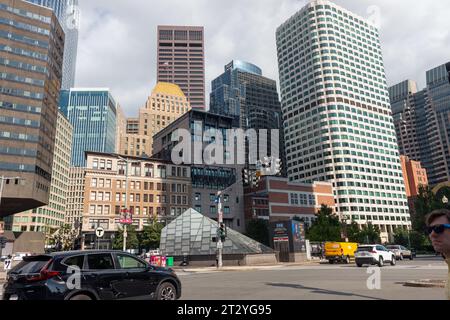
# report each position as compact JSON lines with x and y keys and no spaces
{"x":117,"y":45}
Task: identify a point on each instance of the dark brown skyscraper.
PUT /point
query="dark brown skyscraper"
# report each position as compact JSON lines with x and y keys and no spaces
{"x":181,"y":60}
{"x":31,"y":59}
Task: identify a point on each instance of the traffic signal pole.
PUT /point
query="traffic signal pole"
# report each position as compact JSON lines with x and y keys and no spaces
{"x":219,"y":238}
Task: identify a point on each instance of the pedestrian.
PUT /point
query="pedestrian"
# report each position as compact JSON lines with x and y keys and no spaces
{"x":438,"y":228}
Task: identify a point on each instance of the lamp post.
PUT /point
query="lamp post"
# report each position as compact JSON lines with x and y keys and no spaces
{"x":124,"y":248}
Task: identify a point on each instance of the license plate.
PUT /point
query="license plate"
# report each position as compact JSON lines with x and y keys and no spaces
{"x":14,"y":297}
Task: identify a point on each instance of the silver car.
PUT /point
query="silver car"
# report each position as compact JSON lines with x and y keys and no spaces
{"x":400,"y":252}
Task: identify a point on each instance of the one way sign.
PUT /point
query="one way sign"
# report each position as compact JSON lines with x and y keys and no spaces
{"x":99,"y":232}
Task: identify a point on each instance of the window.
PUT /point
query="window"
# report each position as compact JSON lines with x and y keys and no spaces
{"x":109,"y":165}
{"x":94,"y":182}
{"x":95,"y":164}
{"x":93,"y":195}
{"x":212,"y":210}
{"x":226,"y":210}
{"x":100,"y":262}
{"x":127,"y":262}
{"x":198,"y":196}
{"x":148,"y":170}
{"x":107,"y":183}
{"x":76,"y":261}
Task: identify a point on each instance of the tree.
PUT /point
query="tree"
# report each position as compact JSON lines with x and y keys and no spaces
{"x":370,"y":234}
{"x":64,"y":238}
{"x":401,"y":237}
{"x":132,"y":239}
{"x":425,"y":202}
{"x":353,"y":232}
{"x":258,"y":230}
{"x":326,"y":227}
{"x":150,"y":236}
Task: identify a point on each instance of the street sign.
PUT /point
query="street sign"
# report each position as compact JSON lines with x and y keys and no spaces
{"x":7,"y":264}
{"x":99,"y":232}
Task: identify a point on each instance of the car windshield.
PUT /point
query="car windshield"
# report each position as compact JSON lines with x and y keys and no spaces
{"x":392,"y":247}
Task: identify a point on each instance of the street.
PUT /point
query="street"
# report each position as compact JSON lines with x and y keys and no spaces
{"x":313,"y":282}
{"x":316,"y":282}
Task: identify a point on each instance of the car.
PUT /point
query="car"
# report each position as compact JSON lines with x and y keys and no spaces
{"x":19,"y":256}
{"x":340,"y":251}
{"x":3,"y":258}
{"x":374,"y":254}
{"x":400,"y":252}
{"x":90,"y":275}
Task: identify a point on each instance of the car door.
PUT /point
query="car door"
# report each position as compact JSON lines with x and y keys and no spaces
{"x":138,"y":280}
{"x":387,"y":255}
{"x":102,"y":275}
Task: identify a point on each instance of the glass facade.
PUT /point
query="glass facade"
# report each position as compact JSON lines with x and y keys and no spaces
{"x":92,"y":114}
{"x":68,"y":15}
{"x":338,"y":125}
{"x":191,"y":234}
{"x":243,"y":93}
{"x":422,"y":122}
{"x":31,"y":58}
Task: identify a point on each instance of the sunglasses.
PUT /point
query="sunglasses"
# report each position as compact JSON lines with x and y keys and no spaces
{"x":440,"y":228}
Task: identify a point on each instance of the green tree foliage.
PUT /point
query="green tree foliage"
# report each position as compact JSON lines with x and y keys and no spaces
{"x":150,"y":236}
{"x":425,"y":202}
{"x":132,"y":239}
{"x":326,"y":227}
{"x":370,"y":234}
{"x":401,"y":237}
{"x":63,"y":238}
{"x":353,"y":232}
{"x":258,"y":230}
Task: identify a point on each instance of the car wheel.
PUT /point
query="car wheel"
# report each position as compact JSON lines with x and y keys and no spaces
{"x":380,"y":262}
{"x":359,"y":265}
{"x":393,"y":261}
{"x":81,"y":297}
{"x":166,"y":291}
{"x":331,"y":261}
{"x":411,"y":257}
{"x":401,"y":257}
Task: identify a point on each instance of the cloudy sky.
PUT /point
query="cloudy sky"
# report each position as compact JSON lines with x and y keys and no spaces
{"x":117,"y":44}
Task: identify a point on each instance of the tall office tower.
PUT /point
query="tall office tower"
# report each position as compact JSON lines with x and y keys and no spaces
{"x":338,"y":124}
{"x":181,"y":60}
{"x":166,"y":104}
{"x":67,"y":13}
{"x":121,"y":129}
{"x":31,"y":58}
{"x":75,"y":196}
{"x":422,"y":122}
{"x":242,"y":92}
{"x":92,"y":113}
{"x":52,"y":217}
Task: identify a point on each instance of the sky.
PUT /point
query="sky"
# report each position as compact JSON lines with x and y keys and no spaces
{"x":117,"y":38}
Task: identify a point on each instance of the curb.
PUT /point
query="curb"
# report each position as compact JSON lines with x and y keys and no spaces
{"x":425,"y":283}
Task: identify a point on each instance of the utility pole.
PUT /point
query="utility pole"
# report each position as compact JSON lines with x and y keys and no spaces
{"x":126,"y":205}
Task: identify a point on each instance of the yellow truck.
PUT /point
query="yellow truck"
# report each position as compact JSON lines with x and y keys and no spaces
{"x":340,"y":251}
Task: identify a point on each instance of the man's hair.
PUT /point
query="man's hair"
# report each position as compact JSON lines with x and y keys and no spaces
{"x":436,"y":214}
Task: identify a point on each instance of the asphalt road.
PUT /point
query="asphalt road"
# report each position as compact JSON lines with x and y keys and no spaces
{"x":315,"y":282}
{"x":320,"y":282}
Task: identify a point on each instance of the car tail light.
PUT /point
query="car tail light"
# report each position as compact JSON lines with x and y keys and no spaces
{"x":372,"y":251}
{"x":45,"y":274}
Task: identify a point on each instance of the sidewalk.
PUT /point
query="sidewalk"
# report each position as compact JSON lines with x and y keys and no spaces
{"x":244,"y":268}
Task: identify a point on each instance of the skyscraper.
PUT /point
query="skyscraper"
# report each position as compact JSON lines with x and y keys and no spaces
{"x":244,"y":93}
{"x":338,"y":124}
{"x":181,"y":60}
{"x":92,"y":113}
{"x":52,"y":217}
{"x":165,"y":104}
{"x":31,"y":58}
{"x":422,"y":122}
{"x":68,"y":15}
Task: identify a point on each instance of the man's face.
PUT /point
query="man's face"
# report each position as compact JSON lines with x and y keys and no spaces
{"x":441,"y":242}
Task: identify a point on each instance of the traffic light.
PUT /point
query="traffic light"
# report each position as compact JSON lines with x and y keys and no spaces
{"x":256,"y":178}
{"x":222,"y":232}
{"x":278,"y":164}
{"x":245,"y":177}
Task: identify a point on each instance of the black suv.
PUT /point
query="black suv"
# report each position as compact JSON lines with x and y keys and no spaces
{"x":89,"y":275}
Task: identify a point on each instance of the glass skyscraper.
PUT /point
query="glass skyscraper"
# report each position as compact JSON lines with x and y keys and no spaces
{"x":68,"y":15}
{"x":422,"y":122}
{"x":92,"y":113}
{"x":338,"y":122}
{"x":31,"y":59}
{"x":244,"y":93}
